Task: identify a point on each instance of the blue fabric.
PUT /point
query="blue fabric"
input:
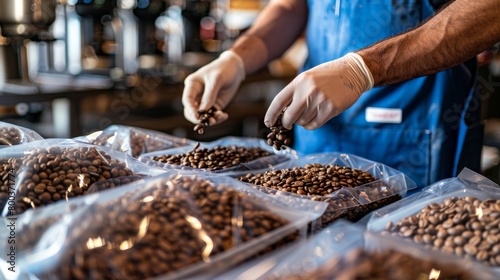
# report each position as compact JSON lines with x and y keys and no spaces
{"x":427,"y":145}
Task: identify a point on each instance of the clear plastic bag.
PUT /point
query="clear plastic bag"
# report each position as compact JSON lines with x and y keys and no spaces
{"x":228,"y":165}
{"x":458,"y":215}
{"x":172,"y":226}
{"x":48,"y":171}
{"x":351,"y":203}
{"x":133,"y":140}
{"x":347,"y":251}
{"x":11,"y":134}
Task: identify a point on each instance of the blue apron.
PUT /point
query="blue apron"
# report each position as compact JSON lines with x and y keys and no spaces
{"x":428,"y":127}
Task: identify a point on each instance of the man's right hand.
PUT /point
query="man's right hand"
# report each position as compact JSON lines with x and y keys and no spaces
{"x":215,"y":84}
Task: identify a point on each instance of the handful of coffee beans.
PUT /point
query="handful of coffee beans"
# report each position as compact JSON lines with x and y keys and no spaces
{"x":218,"y":158}
{"x":316,"y":181}
{"x":139,"y":142}
{"x":163,"y":228}
{"x":388,"y":264}
{"x":277,"y":138}
{"x":204,"y":120}
{"x":465,"y":226}
{"x":53,"y":174}
{"x":10,"y":136}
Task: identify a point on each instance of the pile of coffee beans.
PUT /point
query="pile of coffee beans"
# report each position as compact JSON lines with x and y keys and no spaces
{"x":53,"y":174}
{"x":171,"y":225}
{"x":316,"y":181}
{"x":217,"y":158}
{"x":463,"y":226}
{"x":204,"y":120}
{"x":10,"y":136}
{"x":388,"y":264}
{"x":277,"y":138}
{"x":312,"y":180}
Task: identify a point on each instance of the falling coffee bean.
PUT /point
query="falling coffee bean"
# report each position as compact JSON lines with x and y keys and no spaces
{"x":277,"y":137}
{"x":204,"y":120}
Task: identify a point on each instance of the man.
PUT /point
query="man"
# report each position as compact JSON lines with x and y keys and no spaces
{"x":351,"y":98}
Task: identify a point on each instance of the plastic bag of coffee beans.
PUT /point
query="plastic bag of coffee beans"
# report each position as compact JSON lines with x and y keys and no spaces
{"x":458,"y":216}
{"x":232,"y":156}
{"x":175,"y":225}
{"x":352,"y":186}
{"x":133,"y":140}
{"x":346,"y":251}
{"x":11,"y":135}
{"x":47,"y":171}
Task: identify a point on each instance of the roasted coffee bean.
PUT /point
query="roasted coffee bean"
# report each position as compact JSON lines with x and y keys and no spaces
{"x":387,"y":264}
{"x":169,"y":226}
{"x":204,"y":120}
{"x":68,"y":173}
{"x":462,"y":227}
{"x":10,"y":136}
{"x":217,"y":158}
{"x":277,"y":138}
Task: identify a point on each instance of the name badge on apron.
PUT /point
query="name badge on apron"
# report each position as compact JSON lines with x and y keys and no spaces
{"x":383,"y":115}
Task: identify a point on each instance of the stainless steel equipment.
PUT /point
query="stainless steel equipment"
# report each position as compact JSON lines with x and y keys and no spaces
{"x":22,"y":21}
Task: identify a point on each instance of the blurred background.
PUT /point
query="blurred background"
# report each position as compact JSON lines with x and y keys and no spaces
{"x":72,"y":67}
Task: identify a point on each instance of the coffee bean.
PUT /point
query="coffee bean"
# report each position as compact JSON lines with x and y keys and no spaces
{"x":217,"y":158}
{"x":458,"y":225}
{"x":170,"y":225}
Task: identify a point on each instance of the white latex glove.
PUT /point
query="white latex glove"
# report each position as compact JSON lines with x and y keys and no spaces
{"x":213,"y":85}
{"x":321,"y":93}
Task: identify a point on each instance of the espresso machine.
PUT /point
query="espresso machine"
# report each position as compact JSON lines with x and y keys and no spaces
{"x":22,"y":22}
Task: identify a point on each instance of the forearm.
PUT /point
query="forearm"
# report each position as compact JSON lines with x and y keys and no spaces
{"x":276,"y":28}
{"x":459,"y":32}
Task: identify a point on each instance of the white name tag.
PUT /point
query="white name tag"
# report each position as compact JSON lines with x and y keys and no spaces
{"x":384,"y":115}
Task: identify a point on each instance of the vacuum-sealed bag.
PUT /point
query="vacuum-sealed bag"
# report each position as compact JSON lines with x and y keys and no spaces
{"x":11,"y":134}
{"x":43,"y":172}
{"x":459,"y":216}
{"x":346,"y":251}
{"x":351,"y":186}
{"x":229,"y":155}
{"x":133,"y":140}
{"x":173,"y":226}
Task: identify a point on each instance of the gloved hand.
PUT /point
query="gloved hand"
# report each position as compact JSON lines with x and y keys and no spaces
{"x":321,"y":93}
{"x":213,"y":85}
